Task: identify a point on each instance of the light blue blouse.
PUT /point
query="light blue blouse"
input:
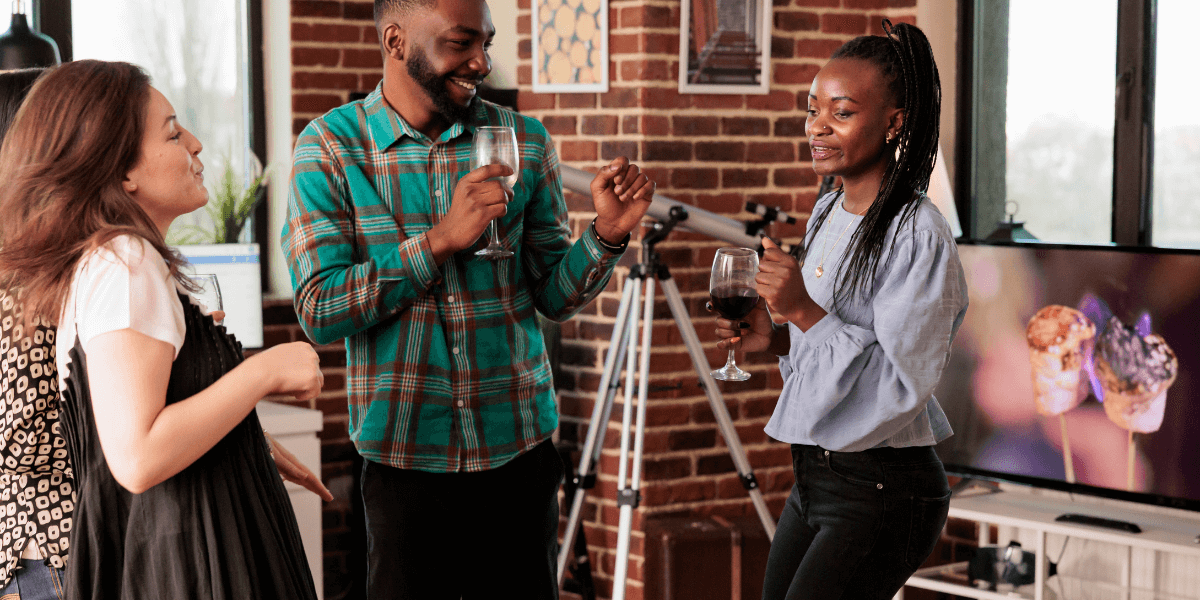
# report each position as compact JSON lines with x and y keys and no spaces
{"x":863,"y":376}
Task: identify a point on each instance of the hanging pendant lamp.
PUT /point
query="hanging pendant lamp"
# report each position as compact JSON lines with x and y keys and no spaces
{"x":21,"y":47}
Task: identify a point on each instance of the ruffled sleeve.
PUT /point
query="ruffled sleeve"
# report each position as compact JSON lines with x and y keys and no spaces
{"x":854,"y":387}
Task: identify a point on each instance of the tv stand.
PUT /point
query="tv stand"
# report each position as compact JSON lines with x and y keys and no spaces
{"x":1160,"y":532}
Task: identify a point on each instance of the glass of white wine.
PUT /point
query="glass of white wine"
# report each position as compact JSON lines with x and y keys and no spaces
{"x":209,"y":295}
{"x":495,"y":145}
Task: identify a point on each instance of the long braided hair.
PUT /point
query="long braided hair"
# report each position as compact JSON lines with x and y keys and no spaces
{"x":905,"y":59}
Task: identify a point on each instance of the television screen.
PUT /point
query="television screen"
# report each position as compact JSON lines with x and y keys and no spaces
{"x":1076,"y":368}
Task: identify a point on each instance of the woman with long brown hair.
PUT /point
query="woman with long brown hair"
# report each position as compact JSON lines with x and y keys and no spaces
{"x":178,"y":496}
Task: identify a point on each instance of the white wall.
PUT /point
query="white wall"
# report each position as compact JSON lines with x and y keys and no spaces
{"x":504,"y":46}
{"x":939,"y":20}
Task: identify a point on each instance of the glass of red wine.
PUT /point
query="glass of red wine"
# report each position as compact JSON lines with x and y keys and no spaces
{"x":733,"y":296}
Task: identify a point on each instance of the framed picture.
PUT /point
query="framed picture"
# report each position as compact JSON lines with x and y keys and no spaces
{"x":570,"y":45}
{"x":725,"y":47}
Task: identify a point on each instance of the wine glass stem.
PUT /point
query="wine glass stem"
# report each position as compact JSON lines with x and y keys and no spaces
{"x":493,"y":235}
{"x":730,"y":364}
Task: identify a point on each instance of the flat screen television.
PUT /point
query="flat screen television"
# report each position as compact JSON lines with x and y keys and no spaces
{"x":1004,"y":430}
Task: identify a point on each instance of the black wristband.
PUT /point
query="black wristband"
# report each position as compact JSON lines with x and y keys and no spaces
{"x":613,"y":249}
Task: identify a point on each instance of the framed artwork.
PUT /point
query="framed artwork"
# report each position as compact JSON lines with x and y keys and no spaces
{"x":725,"y":47}
{"x":570,"y":45}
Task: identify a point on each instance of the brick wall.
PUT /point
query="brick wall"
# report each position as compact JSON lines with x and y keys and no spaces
{"x":713,"y":151}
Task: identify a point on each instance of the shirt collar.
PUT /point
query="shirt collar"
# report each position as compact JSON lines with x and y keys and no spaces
{"x":387,"y":126}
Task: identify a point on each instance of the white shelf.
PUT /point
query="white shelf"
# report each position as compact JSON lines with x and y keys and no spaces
{"x":1160,"y":532}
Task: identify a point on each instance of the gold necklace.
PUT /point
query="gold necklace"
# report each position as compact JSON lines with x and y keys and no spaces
{"x":820,"y":270}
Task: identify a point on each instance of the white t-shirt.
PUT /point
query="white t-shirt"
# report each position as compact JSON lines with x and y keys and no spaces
{"x":124,"y":284}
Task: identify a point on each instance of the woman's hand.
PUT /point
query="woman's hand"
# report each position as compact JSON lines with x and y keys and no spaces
{"x":294,"y":369}
{"x":291,"y":469}
{"x":752,"y":335}
{"x":782,"y":286}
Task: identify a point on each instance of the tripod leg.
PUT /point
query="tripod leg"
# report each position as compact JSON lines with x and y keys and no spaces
{"x":628,"y":497}
{"x":724,"y":423}
{"x":598,"y":423}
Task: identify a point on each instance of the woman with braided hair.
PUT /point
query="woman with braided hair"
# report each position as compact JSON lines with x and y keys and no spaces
{"x":867,"y":315}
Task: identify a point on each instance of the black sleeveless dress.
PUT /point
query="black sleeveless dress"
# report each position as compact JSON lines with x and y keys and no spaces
{"x":221,"y":529}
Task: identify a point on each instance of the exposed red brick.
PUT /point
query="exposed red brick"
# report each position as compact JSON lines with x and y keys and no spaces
{"x":644,"y":70}
{"x":316,"y":8}
{"x":792,"y":73}
{"x":790,"y":20}
{"x":559,"y":124}
{"x":359,"y":11}
{"x":721,"y":151}
{"x":790,"y":127}
{"x":566,"y":101}
{"x":623,"y":43}
{"x":645,"y":16}
{"x":747,"y":126}
{"x":660,"y":43}
{"x":362,"y":59}
{"x":577,"y":151}
{"x":598,"y":125}
{"x":610,"y":150}
{"x":324,"y":80}
{"x":525,"y":49}
{"x":315,"y":57}
{"x":315,"y":103}
{"x":527,"y":101}
{"x":795,"y":177}
{"x":703,"y":179}
{"x":776,"y":100}
{"x":698,"y":125}
{"x":855,"y":24}
{"x":865,"y":4}
{"x":743,"y":178}
{"x":771,"y":152}
{"x":523,"y":24}
{"x":656,"y":125}
{"x":325,"y":32}
{"x":816,"y":47}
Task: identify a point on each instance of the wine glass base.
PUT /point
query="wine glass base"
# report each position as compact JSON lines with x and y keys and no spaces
{"x":494,"y":253}
{"x":730,"y":374}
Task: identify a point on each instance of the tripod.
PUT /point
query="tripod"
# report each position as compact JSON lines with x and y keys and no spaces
{"x":623,"y":348}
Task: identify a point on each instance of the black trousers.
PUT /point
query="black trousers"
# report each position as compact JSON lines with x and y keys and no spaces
{"x":857,"y":524}
{"x":485,"y":535}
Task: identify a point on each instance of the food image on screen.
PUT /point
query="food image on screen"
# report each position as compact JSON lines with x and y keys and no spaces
{"x":1058,"y":338}
{"x":1135,"y":372}
{"x":1076,"y":365}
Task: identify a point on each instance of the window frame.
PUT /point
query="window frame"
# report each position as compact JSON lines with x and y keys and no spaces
{"x":53,"y":18}
{"x":980,"y":154}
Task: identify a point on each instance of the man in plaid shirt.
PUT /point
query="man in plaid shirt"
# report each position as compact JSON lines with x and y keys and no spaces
{"x":451,"y":400}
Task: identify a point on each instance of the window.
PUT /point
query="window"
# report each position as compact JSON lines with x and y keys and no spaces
{"x":1074,"y":117}
{"x":195,"y":53}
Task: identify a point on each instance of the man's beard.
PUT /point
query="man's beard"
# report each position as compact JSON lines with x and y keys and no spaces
{"x":434,"y":85}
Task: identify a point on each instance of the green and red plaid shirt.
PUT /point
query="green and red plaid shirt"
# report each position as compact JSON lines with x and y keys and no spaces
{"x":446,"y":365}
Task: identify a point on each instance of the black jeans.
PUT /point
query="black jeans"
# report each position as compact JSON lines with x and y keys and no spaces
{"x":857,"y":524}
{"x":491,"y":534}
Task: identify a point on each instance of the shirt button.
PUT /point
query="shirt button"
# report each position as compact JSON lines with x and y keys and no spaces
{"x":826,"y":453}
{"x":438,"y":193}
{"x":455,"y":350}
{"x":450,"y":299}
{"x":461,"y":404}
{"x":879,"y":486}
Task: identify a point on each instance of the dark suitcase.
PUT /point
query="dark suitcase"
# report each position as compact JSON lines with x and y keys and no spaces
{"x":691,"y":558}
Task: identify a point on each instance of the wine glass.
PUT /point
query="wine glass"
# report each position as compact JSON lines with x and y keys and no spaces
{"x":733,"y":296}
{"x":495,"y":145}
{"x":209,"y":295}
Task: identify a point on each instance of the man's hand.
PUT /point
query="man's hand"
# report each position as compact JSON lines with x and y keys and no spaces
{"x":621,"y":194}
{"x":479,"y":197}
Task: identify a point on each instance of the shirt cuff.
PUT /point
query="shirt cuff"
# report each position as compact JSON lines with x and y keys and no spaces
{"x":823,"y":329}
{"x":607,"y":247}
{"x":417,"y":256}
